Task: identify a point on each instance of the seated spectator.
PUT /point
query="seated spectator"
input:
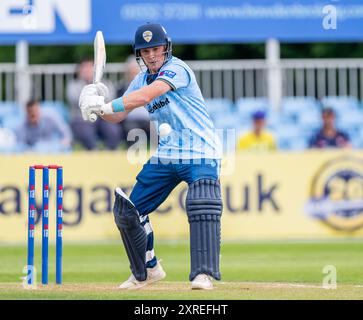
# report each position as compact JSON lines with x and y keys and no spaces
{"x":139,"y":117}
{"x":43,"y":130}
{"x":88,"y":133}
{"x":258,"y":139}
{"x":328,"y":136}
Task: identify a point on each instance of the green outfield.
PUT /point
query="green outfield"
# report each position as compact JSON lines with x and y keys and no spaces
{"x":250,"y":270}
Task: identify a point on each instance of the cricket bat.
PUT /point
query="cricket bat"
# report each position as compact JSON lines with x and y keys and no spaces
{"x":99,"y":63}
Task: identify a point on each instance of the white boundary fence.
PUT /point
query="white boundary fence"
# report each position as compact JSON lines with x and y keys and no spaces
{"x":322,"y":77}
{"x":218,"y":78}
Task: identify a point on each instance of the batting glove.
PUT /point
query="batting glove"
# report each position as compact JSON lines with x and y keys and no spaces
{"x":95,"y":89}
{"x":91,"y":99}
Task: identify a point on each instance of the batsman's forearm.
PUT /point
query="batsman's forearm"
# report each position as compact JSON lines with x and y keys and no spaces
{"x":135,"y":99}
{"x":143,"y":96}
{"x":123,"y":104}
{"x":116,"y":117}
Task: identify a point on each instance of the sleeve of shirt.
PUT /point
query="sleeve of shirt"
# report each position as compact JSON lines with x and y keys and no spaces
{"x":174,"y":75}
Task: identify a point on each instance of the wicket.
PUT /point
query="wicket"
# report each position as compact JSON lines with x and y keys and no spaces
{"x":45,"y":222}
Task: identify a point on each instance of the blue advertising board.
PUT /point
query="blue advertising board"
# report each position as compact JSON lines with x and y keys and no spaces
{"x":187,"y":21}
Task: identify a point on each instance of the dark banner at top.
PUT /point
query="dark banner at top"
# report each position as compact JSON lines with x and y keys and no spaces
{"x":187,"y":21}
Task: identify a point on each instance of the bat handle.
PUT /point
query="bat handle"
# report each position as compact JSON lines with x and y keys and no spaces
{"x":93,"y":117}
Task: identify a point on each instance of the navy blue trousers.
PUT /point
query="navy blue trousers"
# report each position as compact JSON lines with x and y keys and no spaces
{"x":156,"y":181}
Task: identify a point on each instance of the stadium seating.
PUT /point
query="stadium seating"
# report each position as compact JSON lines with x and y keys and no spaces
{"x":230,"y":124}
{"x":58,"y":107}
{"x":298,"y":120}
{"x":358,"y":142}
{"x":247,"y":106}
{"x":341,"y":104}
{"x":350,"y":119}
{"x":11,"y":117}
{"x":286,"y":136}
{"x":12,"y":114}
{"x":9,"y":108}
{"x":218,"y":107}
{"x":12,"y":121}
{"x":227,"y":120}
{"x":293,"y":108}
{"x":293,"y":126}
{"x":310,"y":120}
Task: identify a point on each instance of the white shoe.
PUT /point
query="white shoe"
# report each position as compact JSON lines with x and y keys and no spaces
{"x":202,"y":281}
{"x":153,"y":274}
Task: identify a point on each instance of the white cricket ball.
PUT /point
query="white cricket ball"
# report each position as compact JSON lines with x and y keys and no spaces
{"x":164,"y":129}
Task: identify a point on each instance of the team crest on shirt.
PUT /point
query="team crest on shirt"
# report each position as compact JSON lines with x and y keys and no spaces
{"x":147,"y":35}
{"x":336,"y":194}
{"x":167,"y":73}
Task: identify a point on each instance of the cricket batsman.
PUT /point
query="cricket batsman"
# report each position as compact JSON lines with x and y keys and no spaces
{"x":168,"y":89}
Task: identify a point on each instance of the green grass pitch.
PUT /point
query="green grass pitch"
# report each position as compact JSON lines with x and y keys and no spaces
{"x":250,"y":270}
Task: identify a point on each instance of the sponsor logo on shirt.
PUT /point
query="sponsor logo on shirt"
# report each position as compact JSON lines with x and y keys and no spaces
{"x":157,"y":105}
{"x":167,"y":73}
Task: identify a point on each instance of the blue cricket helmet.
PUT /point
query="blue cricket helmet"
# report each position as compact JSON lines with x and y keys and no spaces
{"x":151,"y":35}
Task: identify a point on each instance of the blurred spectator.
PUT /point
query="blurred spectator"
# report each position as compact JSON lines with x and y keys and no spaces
{"x":85,"y":132}
{"x":132,"y":70}
{"x":43,"y":130}
{"x":139,"y":117}
{"x":328,"y":136}
{"x":258,"y":139}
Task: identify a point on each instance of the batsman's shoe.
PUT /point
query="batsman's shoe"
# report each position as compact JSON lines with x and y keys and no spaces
{"x":202,"y":282}
{"x":153,"y":274}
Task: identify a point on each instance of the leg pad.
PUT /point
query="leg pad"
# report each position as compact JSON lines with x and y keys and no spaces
{"x":204,"y":209}
{"x":132,"y":233}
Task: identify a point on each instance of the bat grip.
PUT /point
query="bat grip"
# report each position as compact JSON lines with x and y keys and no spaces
{"x":92,"y":117}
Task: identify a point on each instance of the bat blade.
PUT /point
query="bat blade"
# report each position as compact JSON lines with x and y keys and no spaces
{"x":99,"y":57}
{"x":99,"y":63}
